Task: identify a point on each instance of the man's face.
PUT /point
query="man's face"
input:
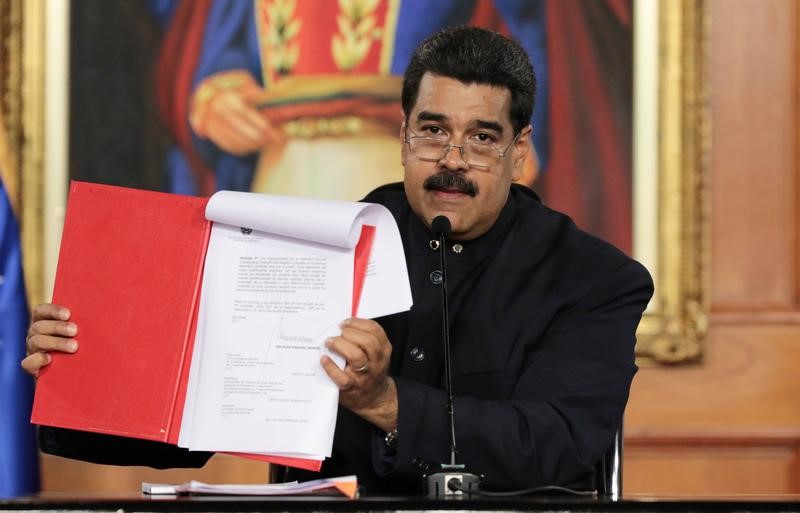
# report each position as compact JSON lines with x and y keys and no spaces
{"x":470,"y":197}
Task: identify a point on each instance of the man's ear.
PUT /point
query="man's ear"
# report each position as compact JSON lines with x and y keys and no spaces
{"x":520,"y":152}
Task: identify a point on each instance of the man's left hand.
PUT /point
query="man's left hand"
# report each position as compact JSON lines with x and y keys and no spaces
{"x":365,"y":385}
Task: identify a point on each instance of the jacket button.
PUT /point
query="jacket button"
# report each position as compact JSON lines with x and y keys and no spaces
{"x":417,"y":354}
{"x":436,"y":277}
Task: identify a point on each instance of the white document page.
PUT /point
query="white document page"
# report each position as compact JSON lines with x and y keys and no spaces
{"x":189,"y":405}
{"x":386,"y":287}
{"x":185,"y":434}
{"x":270,"y":298}
{"x":275,"y":301}
{"x":337,"y":223}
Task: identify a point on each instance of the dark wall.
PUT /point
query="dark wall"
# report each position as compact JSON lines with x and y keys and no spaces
{"x":115,"y":136}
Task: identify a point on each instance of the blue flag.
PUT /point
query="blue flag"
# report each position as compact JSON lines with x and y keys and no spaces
{"x":19,"y":457}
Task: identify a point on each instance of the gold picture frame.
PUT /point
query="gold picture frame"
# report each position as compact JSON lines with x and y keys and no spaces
{"x":30,"y":31}
{"x":672,"y":330}
{"x":22,"y":107}
{"x":674,"y":327}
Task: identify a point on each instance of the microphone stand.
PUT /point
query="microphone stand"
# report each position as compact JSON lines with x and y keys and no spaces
{"x":450,"y":480}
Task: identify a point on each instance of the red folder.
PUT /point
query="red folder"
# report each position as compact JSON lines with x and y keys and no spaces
{"x":130,"y":271}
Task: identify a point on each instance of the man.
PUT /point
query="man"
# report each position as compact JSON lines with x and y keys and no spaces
{"x":543,"y":316}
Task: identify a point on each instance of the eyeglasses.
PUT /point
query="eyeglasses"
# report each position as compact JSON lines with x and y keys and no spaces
{"x":475,"y":153}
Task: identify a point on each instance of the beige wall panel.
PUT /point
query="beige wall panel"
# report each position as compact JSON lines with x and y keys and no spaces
{"x":753,"y":74}
{"x":704,"y":471}
{"x":64,"y":475}
{"x":749,"y":379}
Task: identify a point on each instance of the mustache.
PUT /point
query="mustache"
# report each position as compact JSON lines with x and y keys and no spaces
{"x":449,"y":180}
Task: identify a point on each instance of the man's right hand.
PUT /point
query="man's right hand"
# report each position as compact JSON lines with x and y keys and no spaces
{"x":50,"y":331}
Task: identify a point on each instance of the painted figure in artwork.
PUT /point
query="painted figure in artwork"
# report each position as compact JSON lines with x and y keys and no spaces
{"x":303,"y":97}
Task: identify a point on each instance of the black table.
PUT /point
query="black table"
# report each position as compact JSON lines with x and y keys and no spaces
{"x":124,"y":503}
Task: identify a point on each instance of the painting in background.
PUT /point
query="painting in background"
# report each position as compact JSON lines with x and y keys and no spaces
{"x":303,"y":96}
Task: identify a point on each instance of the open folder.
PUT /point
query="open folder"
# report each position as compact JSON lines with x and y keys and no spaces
{"x":201,"y":322}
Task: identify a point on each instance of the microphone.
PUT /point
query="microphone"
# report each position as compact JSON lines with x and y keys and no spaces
{"x":450,"y":480}
{"x":440,"y":227}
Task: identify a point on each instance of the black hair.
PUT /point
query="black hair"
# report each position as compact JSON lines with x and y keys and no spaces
{"x":474,"y":55}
